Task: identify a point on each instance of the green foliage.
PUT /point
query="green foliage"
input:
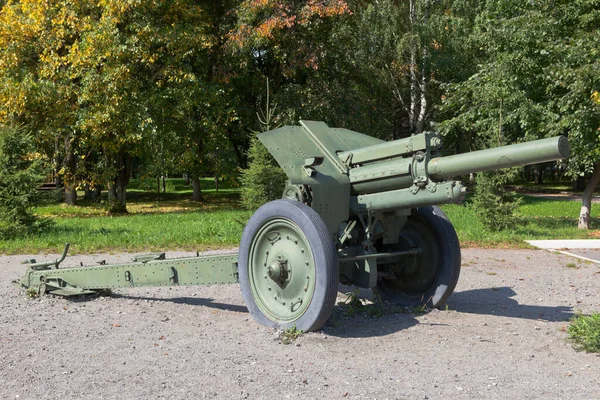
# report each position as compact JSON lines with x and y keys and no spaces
{"x":422,"y":309}
{"x":175,"y":86}
{"x":535,"y":76}
{"x":353,"y":303}
{"x":288,"y":336}
{"x":21,"y":171}
{"x":263,"y":180}
{"x":584,"y":332}
{"x":114,"y":80}
{"x":494,"y":205}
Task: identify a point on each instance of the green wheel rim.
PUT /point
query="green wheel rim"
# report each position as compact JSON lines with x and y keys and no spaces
{"x":281,"y":270}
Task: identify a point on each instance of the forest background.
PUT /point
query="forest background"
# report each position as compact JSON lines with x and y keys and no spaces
{"x":98,"y":92}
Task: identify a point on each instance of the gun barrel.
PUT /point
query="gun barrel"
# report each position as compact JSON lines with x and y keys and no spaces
{"x":534,"y":152}
{"x":399,"y":173}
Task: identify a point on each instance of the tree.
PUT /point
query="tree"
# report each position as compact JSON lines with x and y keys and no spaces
{"x":286,"y":42}
{"x":535,"y":78}
{"x":263,"y":180}
{"x":37,"y":89}
{"x":95,"y":74}
{"x":21,"y":171}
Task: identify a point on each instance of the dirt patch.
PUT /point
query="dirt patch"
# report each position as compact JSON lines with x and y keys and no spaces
{"x":502,"y":336}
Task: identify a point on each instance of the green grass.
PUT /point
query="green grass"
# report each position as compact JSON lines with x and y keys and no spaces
{"x":170,"y":221}
{"x":584,"y":332}
{"x":541,"y":219}
{"x":289,"y":336}
{"x":196,"y":230}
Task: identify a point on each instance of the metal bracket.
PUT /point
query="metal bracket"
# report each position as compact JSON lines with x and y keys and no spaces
{"x":48,"y":264}
{"x":346,"y":233}
{"x":144,"y":258}
{"x":299,"y":193}
{"x":309,"y":163}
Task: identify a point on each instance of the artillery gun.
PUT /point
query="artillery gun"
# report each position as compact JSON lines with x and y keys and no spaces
{"x":356,"y":210}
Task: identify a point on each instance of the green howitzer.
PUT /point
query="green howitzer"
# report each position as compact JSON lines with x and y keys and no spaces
{"x":356,"y":210}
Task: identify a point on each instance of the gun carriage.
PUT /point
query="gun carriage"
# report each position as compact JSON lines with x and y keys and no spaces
{"x":356,"y":210}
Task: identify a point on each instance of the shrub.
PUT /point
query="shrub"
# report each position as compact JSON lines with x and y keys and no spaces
{"x":493,"y":204}
{"x":263,"y":180}
{"x":21,"y":172}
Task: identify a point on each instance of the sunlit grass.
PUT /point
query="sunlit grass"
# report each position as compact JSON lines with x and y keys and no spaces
{"x":584,"y":332}
{"x":164,"y":221}
{"x":540,"y":219}
{"x":195,"y":230}
{"x":169,"y":221}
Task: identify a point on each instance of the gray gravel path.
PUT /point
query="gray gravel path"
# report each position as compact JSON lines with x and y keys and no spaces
{"x":502,"y":337}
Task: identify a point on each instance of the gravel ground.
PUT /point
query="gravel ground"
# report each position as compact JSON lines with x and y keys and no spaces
{"x":501,"y":337}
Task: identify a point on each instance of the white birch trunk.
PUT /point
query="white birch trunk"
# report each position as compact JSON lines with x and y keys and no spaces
{"x":424,"y":78}
{"x":414,"y":81}
{"x":586,"y":199}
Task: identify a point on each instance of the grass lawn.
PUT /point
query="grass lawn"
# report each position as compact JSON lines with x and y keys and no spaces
{"x":540,"y":219}
{"x":169,"y":221}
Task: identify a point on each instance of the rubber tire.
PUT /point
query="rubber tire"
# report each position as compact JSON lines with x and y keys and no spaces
{"x":449,"y":269}
{"x":324,"y":256}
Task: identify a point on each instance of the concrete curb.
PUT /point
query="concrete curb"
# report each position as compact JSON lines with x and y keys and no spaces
{"x":566,"y":244}
{"x":561,"y":246}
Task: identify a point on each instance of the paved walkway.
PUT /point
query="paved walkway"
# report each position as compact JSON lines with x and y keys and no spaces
{"x":560,"y":196}
{"x":584,"y":249}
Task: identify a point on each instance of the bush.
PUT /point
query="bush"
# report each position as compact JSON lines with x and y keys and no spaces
{"x":263,"y":180}
{"x":21,"y":172}
{"x":493,"y":204}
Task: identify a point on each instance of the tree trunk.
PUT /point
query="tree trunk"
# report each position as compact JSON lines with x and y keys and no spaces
{"x":238,"y":146}
{"x":586,"y":200}
{"x":538,"y":171}
{"x":414,"y":83}
{"x":420,"y":123}
{"x":197,"y":191}
{"x":92,"y":194}
{"x":157,"y":189}
{"x":70,"y":195}
{"x":117,"y":186}
{"x":57,"y":167}
{"x":70,"y":168}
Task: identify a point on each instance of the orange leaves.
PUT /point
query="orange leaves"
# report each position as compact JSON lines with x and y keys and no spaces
{"x":265,"y":19}
{"x":266,"y":28}
{"x":323,"y":9}
{"x":294,"y":30}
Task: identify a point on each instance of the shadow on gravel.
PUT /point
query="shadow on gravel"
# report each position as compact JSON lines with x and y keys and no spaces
{"x":497,"y":301}
{"x":360,"y":326}
{"x":193,"y":301}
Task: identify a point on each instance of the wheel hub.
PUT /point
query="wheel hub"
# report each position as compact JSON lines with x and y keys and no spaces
{"x":279,"y":271}
{"x":414,"y":275}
